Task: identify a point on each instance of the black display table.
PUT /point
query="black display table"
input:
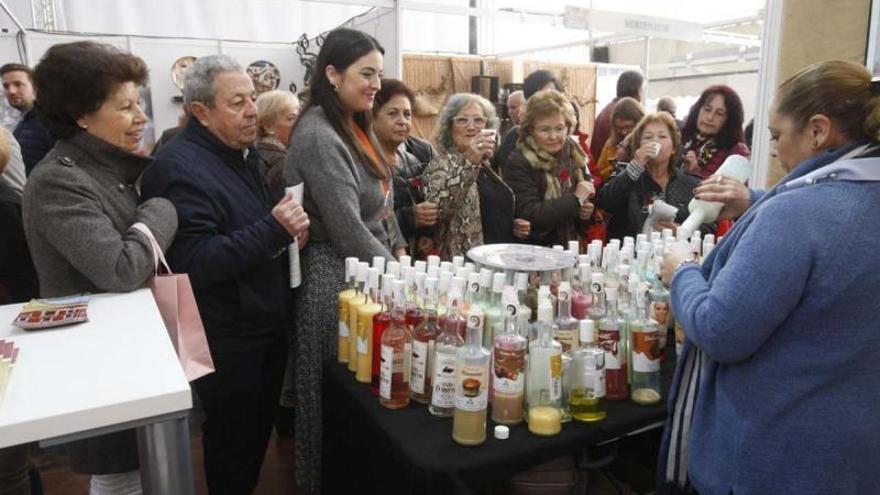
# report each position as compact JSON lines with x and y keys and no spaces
{"x":368,"y":447}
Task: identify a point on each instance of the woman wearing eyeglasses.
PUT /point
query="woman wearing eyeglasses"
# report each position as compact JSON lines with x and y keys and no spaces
{"x":546,"y":172}
{"x":476,"y":206}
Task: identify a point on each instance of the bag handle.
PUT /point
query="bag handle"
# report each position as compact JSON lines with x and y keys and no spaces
{"x":158,"y":257}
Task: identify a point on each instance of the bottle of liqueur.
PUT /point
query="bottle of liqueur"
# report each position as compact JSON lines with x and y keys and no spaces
{"x":645,"y":353}
{"x":356,"y":302}
{"x":588,"y":377}
{"x":396,"y":342}
{"x":495,"y":310}
{"x":610,"y":331}
{"x":597,"y":290}
{"x":544,"y":384}
{"x":508,"y":367}
{"x":581,"y":299}
{"x":566,"y":325}
{"x":446,"y":348}
{"x":366,"y":313}
{"x":424,"y":339}
{"x":472,"y":386}
{"x":381,"y":322}
{"x":524,"y":312}
{"x":344,"y":298}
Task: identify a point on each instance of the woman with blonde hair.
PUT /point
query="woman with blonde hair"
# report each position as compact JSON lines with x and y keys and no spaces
{"x":476,"y":206}
{"x":775,"y":386}
{"x":277,"y":111}
{"x":546,"y":172}
{"x":649,"y":176}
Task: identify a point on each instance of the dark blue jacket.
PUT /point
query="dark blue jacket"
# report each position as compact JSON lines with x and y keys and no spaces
{"x":227,"y":240}
{"x":34,"y":138}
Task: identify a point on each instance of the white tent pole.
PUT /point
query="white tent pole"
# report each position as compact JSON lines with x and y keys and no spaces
{"x":767,"y":75}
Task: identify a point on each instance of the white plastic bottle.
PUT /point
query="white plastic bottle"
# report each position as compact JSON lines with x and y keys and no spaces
{"x":736,"y":167}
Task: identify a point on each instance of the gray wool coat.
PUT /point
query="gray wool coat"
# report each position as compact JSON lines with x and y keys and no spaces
{"x":78,"y":209}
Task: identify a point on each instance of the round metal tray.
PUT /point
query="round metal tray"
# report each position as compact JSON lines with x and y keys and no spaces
{"x":521,"y":257}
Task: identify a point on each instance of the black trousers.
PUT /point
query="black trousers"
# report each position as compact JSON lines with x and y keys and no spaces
{"x":240,"y":400}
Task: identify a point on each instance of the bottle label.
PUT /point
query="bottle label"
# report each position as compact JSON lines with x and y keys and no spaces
{"x":568,"y":338}
{"x":509,"y":368}
{"x":471,"y":393}
{"x":343,"y":329}
{"x":343,"y":319}
{"x":594,"y":383}
{"x":362,"y":345}
{"x":419,"y":367}
{"x":475,"y":319}
{"x":445,"y":367}
{"x":660,"y":313}
{"x":646,"y":352}
{"x":609,"y":341}
{"x":386,"y":370}
{"x":556,"y":377}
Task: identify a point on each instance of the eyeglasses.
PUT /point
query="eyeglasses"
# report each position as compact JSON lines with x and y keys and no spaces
{"x":551,"y":131}
{"x":466,"y":121}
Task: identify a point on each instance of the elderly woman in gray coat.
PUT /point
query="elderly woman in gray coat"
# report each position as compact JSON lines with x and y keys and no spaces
{"x":81,"y":202}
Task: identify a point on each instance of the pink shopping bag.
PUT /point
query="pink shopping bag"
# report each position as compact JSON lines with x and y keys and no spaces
{"x":177,"y":305}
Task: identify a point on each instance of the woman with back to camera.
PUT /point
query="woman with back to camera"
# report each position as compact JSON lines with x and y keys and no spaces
{"x":81,"y":202}
{"x":348,"y":194}
{"x":781,"y":319}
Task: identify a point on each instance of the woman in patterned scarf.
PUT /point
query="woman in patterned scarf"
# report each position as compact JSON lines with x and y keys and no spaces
{"x":713,"y":131}
{"x":546,"y":172}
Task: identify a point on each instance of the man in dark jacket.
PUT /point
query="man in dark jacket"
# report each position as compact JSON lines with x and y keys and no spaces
{"x":31,"y":133}
{"x":231,"y":241}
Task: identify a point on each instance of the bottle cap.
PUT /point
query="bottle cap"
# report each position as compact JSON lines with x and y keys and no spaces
{"x":457,"y":261}
{"x":498,"y":281}
{"x":363,"y":266}
{"x":388,"y":285}
{"x":557,"y":247}
{"x":433,"y":260}
{"x":574,"y":247}
{"x":583,"y":258}
{"x":420,"y":266}
{"x":399,"y":291}
{"x":405,"y":260}
{"x":379,"y":263}
{"x":522,"y":281}
{"x":444,"y":280}
{"x":373,"y":278}
{"x":461,"y":272}
{"x":351,"y":266}
{"x":485,"y":278}
{"x":392,"y":268}
{"x":629,"y":240}
{"x":615,"y":243}
{"x":473,"y":282}
{"x":641,"y":238}
{"x":586,"y":329}
{"x":502,"y":432}
{"x":447,"y":266}
{"x":407,"y":274}
{"x":433,"y":271}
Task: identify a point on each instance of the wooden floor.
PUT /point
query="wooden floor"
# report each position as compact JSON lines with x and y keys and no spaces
{"x":276,"y":478}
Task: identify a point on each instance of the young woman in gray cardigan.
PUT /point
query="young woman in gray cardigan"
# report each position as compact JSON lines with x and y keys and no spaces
{"x":348,"y":195}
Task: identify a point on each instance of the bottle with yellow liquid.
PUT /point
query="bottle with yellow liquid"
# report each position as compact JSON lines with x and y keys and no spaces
{"x":351,"y":264}
{"x":472,"y":385}
{"x":588,"y":377}
{"x":373,"y":306}
{"x":544,"y":383}
{"x":356,"y":302}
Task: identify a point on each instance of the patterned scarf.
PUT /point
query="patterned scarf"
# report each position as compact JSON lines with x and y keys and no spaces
{"x":705,"y":147}
{"x":561,"y":175}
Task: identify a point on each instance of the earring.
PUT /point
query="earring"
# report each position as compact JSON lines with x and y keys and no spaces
{"x":82,"y":125}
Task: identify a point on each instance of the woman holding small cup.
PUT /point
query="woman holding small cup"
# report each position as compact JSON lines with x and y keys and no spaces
{"x":649,"y":176}
{"x":476,"y":206}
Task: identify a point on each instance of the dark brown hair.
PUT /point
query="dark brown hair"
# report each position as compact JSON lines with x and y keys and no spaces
{"x":390,"y":89}
{"x":625,"y":109}
{"x":732,"y":130}
{"x":74,"y":79}
{"x":7,"y":68}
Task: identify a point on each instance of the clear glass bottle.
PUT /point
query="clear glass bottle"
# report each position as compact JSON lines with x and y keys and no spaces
{"x":366,"y":313}
{"x":350,"y":292}
{"x":472,"y":386}
{"x":544,"y":385}
{"x":446,"y":348}
{"x":581,"y":299}
{"x":424,"y":338}
{"x":508,"y":365}
{"x":495,"y":311}
{"x":597,"y":291}
{"x":396,"y":342}
{"x":381,"y":322}
{"x":611,"y":328}
{"x":524,"y":312}
{"x":356,"y":302}
{"x":645,"y":353}
{"x":588,"y":377}
{"x":566,"y":326}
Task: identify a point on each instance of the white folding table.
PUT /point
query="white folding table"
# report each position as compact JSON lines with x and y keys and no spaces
{"x":115,"y":372}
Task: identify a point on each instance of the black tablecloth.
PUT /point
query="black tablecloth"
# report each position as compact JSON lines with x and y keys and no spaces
{"x":410,"y":451}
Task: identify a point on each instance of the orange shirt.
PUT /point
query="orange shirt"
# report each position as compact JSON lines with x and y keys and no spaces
{"x":371,"y":151}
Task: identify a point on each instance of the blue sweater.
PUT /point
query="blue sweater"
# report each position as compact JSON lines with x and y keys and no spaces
{"x":786,"y":311}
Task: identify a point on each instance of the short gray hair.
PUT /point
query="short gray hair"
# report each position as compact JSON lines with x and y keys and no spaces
{"x":455,"y":104}
{"x":198,"y":80}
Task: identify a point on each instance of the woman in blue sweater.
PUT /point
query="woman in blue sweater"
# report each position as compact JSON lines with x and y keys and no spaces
{"x":776,"y":388}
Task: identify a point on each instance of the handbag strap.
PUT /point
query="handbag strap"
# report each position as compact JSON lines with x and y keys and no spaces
{"x":158,"y":257}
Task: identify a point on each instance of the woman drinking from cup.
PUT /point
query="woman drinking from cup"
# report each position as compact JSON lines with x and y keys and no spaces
{"x":650,"y":176}
{"x":476,"y":206}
